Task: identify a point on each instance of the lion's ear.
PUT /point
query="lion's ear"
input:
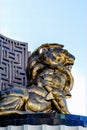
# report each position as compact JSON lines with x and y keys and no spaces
{"x":40,"y":51}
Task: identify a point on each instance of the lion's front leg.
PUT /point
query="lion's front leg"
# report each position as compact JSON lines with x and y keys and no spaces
{"x":58,"y":99}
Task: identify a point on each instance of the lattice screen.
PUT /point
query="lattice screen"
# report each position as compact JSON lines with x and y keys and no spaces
{"x":13,"y":62}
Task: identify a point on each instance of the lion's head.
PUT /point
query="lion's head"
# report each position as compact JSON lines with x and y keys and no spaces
{"x":54,"y":54}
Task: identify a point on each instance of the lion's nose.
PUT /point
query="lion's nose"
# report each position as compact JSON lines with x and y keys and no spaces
{"x":71,"y":56}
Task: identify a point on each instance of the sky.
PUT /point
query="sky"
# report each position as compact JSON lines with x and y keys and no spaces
{"x":52,"y":21}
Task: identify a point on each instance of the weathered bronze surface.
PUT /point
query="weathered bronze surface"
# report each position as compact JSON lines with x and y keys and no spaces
{"x":49,"y":83}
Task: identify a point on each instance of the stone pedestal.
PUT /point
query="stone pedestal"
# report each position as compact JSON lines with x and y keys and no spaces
{"x":43,"y":121}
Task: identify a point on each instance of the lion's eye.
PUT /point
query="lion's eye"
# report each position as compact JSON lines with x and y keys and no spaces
{"x":65,"y":52}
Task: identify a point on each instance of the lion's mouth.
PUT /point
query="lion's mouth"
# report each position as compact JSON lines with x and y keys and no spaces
{"x":69,"y":66}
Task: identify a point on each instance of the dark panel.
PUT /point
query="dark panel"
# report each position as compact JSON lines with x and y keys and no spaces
{"x":43,"y":118}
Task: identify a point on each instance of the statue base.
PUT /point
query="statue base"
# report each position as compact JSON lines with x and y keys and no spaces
{"x":43,"y":119}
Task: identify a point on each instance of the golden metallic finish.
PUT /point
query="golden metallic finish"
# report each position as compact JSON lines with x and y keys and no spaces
{"x":49,"y":83}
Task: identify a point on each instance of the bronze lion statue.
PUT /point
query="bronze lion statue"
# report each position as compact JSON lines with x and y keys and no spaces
{"x":49,"y":82}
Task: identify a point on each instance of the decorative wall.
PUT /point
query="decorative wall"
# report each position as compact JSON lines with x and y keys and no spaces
{"x":13,"y":61}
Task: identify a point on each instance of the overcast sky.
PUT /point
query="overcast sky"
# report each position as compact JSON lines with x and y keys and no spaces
{"x":49,"y":21}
